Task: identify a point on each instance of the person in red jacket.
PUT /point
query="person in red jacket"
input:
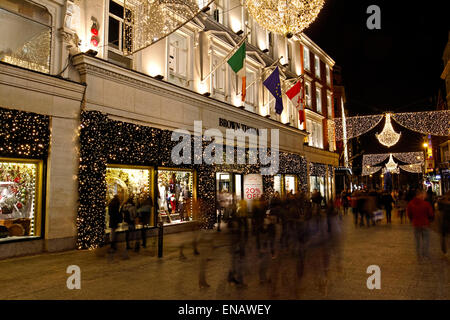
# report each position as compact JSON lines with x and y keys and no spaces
{"x":421,"y":213}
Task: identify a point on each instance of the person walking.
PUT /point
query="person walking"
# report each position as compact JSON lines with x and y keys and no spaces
{"x":144,"y":213}
{"x":115,"y":218}
{"x":354,"y":205}
{"x":387,"y":201}
{"x":444,"y":221}
{"x":129,"y":216}
{"x":420,"y":213}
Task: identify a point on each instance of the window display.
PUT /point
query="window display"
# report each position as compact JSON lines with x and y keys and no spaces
{"x":318,"y":183}
{"x":128,"y":183}
{"x":19,"y":199}
{"x":289,"y":184}
{"x":175,"y":194}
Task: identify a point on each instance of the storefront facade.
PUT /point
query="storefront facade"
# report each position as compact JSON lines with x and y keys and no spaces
{"x":99,"y":127}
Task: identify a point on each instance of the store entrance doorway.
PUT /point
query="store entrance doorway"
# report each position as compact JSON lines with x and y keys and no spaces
{"x":229,"y":188}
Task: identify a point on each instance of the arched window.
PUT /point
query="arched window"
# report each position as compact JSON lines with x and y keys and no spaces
{"x":27,"y":41}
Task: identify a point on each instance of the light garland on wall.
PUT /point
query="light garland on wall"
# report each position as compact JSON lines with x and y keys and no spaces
{"x":436,"y":123}
{"x":317,"y":169}
{"x":284,"y":17}
{"x":356,"y":126}
{"x":388,"y":137}
{"x":148,"y":21}
{"x":24,"y":134}
{"x":104,"y":141}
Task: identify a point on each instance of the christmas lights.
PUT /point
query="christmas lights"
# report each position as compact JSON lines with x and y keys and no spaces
{"x":412,"y":168}
{"x":391,"y":165}
{"x":24,"y":134}
{"x":436,"y":123}
{"x":317,"y":169}
{"x":388,"y":137}
{"x":356,"y":126}
{"x":367,"y":171}
{"x":148,"y":21}
{"x":104,"y":141}
{"x":409,"y":157}
{"x":373,"y":159}
{"x":284,"y":17}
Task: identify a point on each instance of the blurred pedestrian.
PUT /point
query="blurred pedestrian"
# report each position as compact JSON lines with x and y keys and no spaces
{"x":420,"y":213}
{"x":129,"y":216}
{"x":444,"y":220}
{"x":115,"y":218}
{"x":387,"y":201}
{"x":144,"y":212}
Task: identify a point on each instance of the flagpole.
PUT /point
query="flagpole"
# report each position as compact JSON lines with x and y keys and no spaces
{"x":265,"y":69}
{"x":227,"y":57}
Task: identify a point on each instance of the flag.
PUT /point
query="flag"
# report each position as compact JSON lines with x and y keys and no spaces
{"x":296,"y":95}
{"x":273,"y":84}
{"x":237,"y":64}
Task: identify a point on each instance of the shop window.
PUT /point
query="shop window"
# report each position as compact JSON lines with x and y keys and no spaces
{"x":277,"y":184}
{"x":26,"y":37}
{"x":318,"y":183}
{"x":289,"y":184}
{"x":175,"y":195}
{"x":20,"y":199}
{"x":129,"y":183}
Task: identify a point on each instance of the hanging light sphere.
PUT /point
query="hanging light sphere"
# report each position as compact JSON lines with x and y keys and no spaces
{"x":284,"y":17}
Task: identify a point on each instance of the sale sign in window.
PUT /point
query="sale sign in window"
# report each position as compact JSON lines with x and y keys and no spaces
{"x":253,"y":186}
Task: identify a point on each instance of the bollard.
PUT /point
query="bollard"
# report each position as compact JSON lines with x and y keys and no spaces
{"x":160,"y":238}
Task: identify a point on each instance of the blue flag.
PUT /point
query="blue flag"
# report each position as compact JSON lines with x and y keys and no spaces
{"x":272,"y":83}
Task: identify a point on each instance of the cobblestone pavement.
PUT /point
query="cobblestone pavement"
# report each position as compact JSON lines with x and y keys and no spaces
{"x":144,"y":276}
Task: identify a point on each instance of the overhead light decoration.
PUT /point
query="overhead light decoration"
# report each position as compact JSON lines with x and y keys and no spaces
{"x":388,"y":137}
{"x":284,"y":17}
{"x":355,"y":126}
{"x":391,"y":165}
{"x":148,"y":21}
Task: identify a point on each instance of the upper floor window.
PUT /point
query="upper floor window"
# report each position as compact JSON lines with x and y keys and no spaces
{"x":329,"y":107}
{"x":252,"y":91}
{"x":218,"y":11}
{"x":25,"y":39}
{"x":116,"y":26}
{"x":308,"y":94}
{"x":317,"y":66}
{"x":218,"y":77}
{"x":178,"y":58}
{"x":319,"y":100}
{"x":328,"y":75}
{"x":315,"y":138}
{"x":306,"y":63}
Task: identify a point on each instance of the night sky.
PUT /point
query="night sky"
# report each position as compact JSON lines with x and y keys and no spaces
{"x":394,"y":69}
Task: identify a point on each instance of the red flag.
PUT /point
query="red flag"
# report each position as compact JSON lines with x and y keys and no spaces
{"x":296,"y":95}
